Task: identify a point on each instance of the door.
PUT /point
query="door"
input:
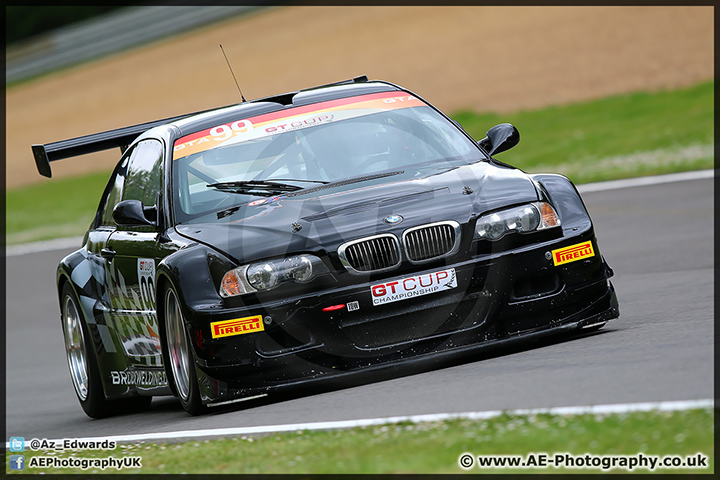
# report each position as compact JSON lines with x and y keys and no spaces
{"x":136,"y":250}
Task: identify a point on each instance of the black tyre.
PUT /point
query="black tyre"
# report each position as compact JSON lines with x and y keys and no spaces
{"x":82,"y":362}
{"x":179,"y":357}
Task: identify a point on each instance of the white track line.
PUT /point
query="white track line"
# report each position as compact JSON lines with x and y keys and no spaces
{"x":642,"y":181}
{"x":225,"y":432}
{"x":65,"y":243}
{"x":45,"y":246}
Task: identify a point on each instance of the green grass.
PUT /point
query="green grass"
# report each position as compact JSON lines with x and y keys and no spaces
{"x":432,"y":447}
{"x":618,"y":137}
{"x":53,"y":208}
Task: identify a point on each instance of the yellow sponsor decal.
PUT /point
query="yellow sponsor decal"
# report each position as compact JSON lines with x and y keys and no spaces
{"x":237,"y":326}
{"x":572,"y":253}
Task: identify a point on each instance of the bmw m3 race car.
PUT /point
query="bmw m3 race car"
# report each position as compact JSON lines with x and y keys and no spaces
{"x":312,"y":235}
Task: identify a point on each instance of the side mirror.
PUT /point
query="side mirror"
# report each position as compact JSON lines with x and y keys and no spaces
{"x":500,"y":138}
{"x":133,"y":213}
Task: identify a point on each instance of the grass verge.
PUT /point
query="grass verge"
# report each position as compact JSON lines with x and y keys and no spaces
{"x":432,"y":447}
{"x":618,"y":137}
{"x":624,"y":136}
{"x":53,"y":209}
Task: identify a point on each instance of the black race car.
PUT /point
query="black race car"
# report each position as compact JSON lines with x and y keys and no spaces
{"x":346,"y":228}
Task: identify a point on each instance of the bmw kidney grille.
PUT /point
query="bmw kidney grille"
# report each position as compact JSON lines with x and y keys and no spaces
{"x":430,"y":242}
{"x":381,"y":253}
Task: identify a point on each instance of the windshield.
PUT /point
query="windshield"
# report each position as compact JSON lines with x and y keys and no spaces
{"x":239,"y":162}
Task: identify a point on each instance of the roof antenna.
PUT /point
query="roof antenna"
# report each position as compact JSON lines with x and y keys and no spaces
{"x":233,"y":74}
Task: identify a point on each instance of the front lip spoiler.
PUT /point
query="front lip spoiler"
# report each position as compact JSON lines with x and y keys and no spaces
{"x":421,"y":362}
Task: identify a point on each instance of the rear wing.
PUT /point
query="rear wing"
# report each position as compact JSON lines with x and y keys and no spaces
{"x":120,"y":137}
{"x":97,"y":142}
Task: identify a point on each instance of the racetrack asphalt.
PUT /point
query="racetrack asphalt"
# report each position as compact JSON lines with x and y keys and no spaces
{"x":657,"y":238}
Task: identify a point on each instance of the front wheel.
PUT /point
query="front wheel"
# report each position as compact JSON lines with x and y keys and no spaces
{"x":179,"y":356}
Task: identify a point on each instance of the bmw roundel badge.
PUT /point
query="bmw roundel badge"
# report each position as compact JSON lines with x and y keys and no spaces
{"x":393,"y":219}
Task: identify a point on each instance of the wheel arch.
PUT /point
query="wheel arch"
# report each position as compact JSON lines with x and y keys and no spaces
{"x":194,"y":273}
{"x":107,"y":350}
{"x":565,"y":198}
{"x":192,"y":403}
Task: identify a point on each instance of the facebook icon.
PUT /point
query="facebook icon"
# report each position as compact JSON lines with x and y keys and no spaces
{"x":17,"y":462}
{"x":17,"y":444}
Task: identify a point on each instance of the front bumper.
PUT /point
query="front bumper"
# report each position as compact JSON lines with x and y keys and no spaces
{"x":501,"y":298}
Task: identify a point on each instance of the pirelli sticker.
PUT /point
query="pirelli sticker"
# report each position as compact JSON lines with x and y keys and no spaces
{"x":237,"y":326}
{"x":573,"y":253}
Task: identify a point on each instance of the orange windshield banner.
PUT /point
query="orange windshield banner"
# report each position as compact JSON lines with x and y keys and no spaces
{"x":291,"y":119}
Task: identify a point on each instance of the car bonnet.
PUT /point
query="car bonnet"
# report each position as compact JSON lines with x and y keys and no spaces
{"x":326,"y":217}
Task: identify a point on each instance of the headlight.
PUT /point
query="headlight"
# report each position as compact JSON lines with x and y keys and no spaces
{"x":270,"y":274}
{"x":527,"y":218}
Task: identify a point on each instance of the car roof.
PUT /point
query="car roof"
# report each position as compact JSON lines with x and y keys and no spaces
{"x":276,"y":103}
